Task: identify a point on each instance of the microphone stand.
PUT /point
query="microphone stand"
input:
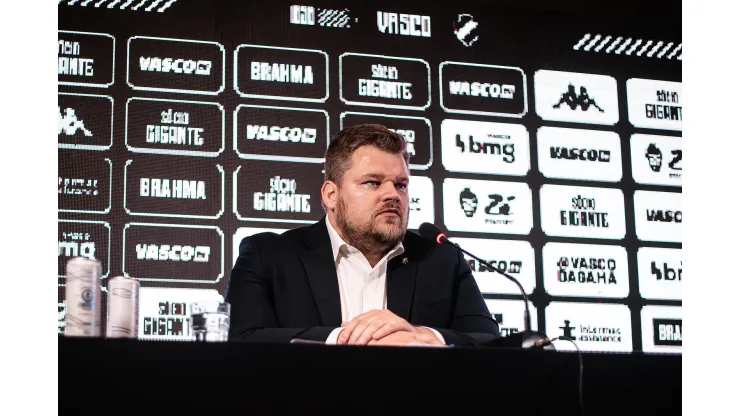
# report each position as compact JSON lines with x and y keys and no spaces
{"x":524,"y":339}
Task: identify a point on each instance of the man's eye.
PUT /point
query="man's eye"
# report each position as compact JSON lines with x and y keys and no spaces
{"x":373,"y":183}
{"x":402,"y":185}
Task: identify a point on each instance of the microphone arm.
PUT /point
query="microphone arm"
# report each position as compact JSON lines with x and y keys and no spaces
{"x":527,"y":315}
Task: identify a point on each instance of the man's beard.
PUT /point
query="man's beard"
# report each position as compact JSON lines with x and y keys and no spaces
{"x":366,"y":237}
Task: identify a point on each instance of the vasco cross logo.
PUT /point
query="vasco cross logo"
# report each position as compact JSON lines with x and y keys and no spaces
{"x":582,"y":100}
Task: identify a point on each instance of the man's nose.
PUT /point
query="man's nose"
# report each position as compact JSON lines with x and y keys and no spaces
{"x":389,"y":192}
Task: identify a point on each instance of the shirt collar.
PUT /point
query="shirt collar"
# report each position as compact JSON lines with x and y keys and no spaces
{"x":338,"y":245}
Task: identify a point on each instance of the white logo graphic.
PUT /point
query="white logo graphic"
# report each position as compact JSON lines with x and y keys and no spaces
{"x":510,"y":256}
{"x":180,"y":189}
{"x":657,"y":160}
{"x":164,"y":313}
{"x":302,"y":15}
{"x":177,"y":252}
{"x":576,"y":97}
{"x":277,"y":72}
{"x":574,"y":211}
{"x":279,"y":133}
{"x":510,"y":315}
{"x":660,"y":272}
{"x":282,"y":197}
{"x":585,"y":270}
{"x":465,"y":29}
{"x":421,"y":201}
{"x":404,"y":24}
{"x":483,"y":147}
{"x":177,"y":66}
{"x":75,"y":59}
{"x":487,"y":206}
{"x":77,"y":243}
{"x":594,"y":327}
{"x":69,"y":124}
{"x":654,"y":104}
{"x":658,"y":216}
{"x":662,"y":329}
{"x":243,"y":232}
{"x":588,"y":155}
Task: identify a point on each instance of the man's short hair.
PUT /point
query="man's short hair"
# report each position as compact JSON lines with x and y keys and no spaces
{"x":338,"y":156}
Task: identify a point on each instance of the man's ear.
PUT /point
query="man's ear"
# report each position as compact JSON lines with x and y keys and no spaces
{"x":330,"y":194}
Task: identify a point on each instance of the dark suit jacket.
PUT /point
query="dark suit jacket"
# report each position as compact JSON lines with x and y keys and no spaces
{"x":286,"y":286}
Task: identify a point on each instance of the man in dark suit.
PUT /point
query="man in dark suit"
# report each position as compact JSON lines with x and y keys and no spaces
{"x":357,"y":276}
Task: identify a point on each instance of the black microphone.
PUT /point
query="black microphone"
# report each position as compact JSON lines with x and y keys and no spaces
{"x":524,"y":339}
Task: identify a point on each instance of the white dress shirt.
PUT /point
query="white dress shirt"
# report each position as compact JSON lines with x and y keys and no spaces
{"x":361,"y":287}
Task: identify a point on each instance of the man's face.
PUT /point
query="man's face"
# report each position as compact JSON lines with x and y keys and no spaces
{"x":372,"y":207}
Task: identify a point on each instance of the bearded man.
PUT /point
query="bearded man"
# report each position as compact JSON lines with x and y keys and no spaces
{"x":357,"y":276}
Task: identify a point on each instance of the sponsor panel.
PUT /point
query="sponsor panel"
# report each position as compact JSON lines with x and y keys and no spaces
{"x":85,"y":121}
{"x":81,"y":238}
{"x":580,"y":270}
{"x":513,"y":257}
{"x":173,"y":253}
{"x":175,"y":127}
{"x":175,"y":65}
{"x":487,"y":206}
{"x":658,"y":216}
{"x":660,"y":272}
{"x":155,"y":189}
{"x":653,"y":104}
{"x":281,"y":133}
{"x":279,"y":73}
{"x":483,"y":147}
{"x":84,"y":183}
{"x":489,"y":90}
{"x":662,"y":329}
{"x":585,"y":212}
{"x":164,"y":313}
{"x":593,"y":327}
{"x":657,"y":160}
{"x":589,"y":155}
{"x":509,"y":314}
{"x":278,"y":192}
{"x":384,"y":81}
{"x":576,"y":97}
{"x":86,"y":59}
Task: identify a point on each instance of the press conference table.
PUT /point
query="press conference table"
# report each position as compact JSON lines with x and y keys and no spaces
{"x":176,"y":378}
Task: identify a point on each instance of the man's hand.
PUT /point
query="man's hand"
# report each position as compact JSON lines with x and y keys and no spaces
{"x":374,"y":325}
{"x":404,"y":338}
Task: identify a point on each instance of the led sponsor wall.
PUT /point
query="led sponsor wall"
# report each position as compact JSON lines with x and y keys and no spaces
{"x":548,"y":143}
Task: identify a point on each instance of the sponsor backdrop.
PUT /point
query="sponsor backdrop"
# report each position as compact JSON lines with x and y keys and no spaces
{"x":547,"y":143}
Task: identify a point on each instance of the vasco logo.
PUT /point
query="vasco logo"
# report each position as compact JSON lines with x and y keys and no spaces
{"x":591,"y":155}
{"x":282,"y":197}
{"x":482,"y":89}
{"x":404,"y":24}
{"x":575,"y":101}
{"x":660,"y":215}
{"x":166,"y":252}
{"x":496,"y":149}
{"x":178,"y":66}
{"x":465,"y":29}
{"x":584,"y":214}
{"x":667,"y":332}
{"x":582,"y":270}
{"x":666,"y":273}
{"x":510,"y":266}
{"x":283,"y":134}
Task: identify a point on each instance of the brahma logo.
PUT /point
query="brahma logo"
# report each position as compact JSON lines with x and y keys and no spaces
{"x":662,"y":329}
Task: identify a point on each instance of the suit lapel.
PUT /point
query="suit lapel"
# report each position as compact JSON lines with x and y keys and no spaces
{"x":400,"y":283}
{"x":322,"y":274}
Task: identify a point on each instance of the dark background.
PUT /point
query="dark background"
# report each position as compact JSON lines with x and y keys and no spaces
{"x":531,"y":35}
